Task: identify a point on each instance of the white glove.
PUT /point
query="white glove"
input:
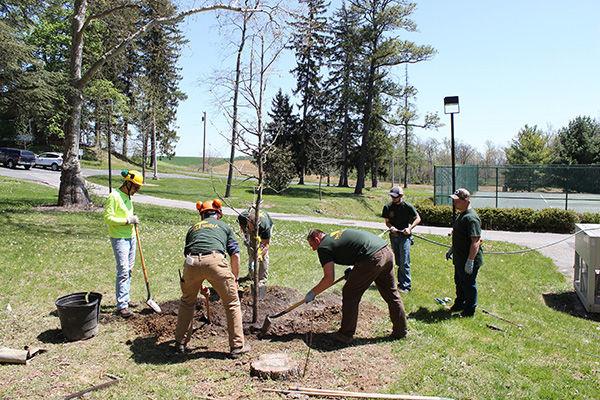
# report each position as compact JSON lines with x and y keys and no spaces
{"x":469,"y":267}
{"x":133,"y":219}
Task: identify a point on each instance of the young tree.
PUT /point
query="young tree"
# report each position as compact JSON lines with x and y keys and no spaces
{"x":382,"y":50}
{"x":309,"y":43}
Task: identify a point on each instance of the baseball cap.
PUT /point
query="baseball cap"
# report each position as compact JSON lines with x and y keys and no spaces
{"x":396,"y":191}
{"x":461,"y":193}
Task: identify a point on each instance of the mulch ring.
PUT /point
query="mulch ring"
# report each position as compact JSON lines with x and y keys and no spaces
{"x":321,"y":315}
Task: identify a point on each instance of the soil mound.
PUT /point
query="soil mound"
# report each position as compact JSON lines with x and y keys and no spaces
{"x":321,"y":315}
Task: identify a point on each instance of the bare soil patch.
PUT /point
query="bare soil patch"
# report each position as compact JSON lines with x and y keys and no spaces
{"x":304,"y":334}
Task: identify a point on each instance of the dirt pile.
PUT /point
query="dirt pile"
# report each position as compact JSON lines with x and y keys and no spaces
{"x":321,"y":315}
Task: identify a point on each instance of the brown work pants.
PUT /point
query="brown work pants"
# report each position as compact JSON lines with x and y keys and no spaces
{"x":215,"y":269}
{"x":378,"y":268}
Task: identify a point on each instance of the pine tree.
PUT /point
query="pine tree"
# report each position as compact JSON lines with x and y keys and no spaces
{"x":309,"y":44}
{"x":382,"y":50}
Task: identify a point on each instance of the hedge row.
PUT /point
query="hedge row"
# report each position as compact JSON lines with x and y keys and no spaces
{"x":512,"y":219}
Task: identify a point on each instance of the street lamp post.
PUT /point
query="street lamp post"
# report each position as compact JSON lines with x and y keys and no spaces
{"x":204,"y":142}
{"x":451,"y":107}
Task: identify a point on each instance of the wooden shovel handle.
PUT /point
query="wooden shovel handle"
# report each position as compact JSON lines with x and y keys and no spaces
{"x":139,"y":244}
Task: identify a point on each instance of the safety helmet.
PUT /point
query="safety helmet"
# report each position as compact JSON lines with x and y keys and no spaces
{"x":209,"y":205}
{"x":133,"y":176}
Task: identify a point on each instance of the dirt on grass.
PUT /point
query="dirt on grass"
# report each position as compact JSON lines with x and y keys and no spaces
{"x":305,"y":334}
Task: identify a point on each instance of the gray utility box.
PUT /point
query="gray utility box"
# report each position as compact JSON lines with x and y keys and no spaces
{"x":586,"y":278}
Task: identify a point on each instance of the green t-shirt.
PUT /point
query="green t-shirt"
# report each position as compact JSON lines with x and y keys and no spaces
{"x":117,"y":208}
{"x":265,"y":223}
{"x":466,"y":226}
{"x":400,"y":215}
{"x":208,"y":235}
{"x":347,"y":246}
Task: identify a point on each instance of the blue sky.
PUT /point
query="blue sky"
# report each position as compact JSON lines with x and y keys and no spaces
{"x":511,"y":63}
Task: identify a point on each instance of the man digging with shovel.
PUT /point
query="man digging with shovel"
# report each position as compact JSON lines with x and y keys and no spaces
{"x":206,"y":244}
{"x":373,"y":261}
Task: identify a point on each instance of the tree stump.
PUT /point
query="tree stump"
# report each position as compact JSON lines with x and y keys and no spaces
{"x":275,"y":366}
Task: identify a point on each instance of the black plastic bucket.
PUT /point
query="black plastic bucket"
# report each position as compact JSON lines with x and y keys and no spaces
{"x":79,"y":314}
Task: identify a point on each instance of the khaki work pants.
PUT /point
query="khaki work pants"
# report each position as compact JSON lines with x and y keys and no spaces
{"x":378,"y":268}
{"x":215,"y":269}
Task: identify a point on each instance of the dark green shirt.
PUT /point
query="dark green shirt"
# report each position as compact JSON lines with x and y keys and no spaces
{"x":466,"y":226}
{"x":400,"y":215}
{"x":347,"y":246}
{"x":265,"y":223}
{"x":208,"y":235}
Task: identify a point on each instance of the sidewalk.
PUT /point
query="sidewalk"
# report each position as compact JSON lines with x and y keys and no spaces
{"x":562,"y":254}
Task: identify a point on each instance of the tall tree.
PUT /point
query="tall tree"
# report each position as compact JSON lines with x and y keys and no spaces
{"x":72,"y":186}
{"x":309,"y":43}
{"x":341,"y":87}
{"x":380,"y":19}
{"x":579,"y":142}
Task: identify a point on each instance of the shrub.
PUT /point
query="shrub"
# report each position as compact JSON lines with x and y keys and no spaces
{"x":555,"y":220}
{"x":589,"y":218}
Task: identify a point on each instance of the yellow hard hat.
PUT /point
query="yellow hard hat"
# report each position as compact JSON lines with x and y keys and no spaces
{"x":133,"y":176}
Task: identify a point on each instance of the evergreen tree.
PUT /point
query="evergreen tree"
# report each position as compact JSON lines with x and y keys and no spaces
{"x":579,"y":142}
{"x":341,"y":88}
{"x":382,"y":50}
{"x":530,"y":146}
{"x":309,"y":44}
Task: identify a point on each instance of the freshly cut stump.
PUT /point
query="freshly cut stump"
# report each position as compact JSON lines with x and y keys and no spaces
{"x":275,"y":366}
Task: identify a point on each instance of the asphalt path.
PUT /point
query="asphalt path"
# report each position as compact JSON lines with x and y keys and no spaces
{"x":563,"y":253}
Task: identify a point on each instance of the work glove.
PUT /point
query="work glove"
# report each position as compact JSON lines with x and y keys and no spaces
{"x":133,"y":219}
{"x":469,"y":267}
{"x":310,"y":296}
{"x":449,"y":254}
{"x":347,"y":273}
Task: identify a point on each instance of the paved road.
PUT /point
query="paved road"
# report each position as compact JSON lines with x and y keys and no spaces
{"x":562,"y":254}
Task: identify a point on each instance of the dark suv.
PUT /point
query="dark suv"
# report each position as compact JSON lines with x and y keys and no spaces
{"x":13,"y":157}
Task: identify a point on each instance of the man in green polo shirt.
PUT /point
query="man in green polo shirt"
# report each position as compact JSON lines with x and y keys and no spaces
{"x":206,"y":244}
{"x":373,"y":261}
{"x":265,"y":229}
{"x":466,"y":253}
{"x":119,"y":217}
{"x":401,"y":217}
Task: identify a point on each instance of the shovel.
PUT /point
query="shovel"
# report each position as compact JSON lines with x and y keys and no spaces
{"x":151,"y":303}
{"x":267,"y":324}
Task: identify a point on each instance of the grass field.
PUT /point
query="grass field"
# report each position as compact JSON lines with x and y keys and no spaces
{"x":297,"y":199}
{"x":48,"y":253}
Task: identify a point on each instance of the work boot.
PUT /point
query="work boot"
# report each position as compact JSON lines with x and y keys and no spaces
{"x":124,"y":313}
{"x":239,"y":351}
{"x":398,"y":334}
{"x":341,"y":338}
{"x":456,"y":307}
{"x":467,"y":313}
{"x":179,"y":348}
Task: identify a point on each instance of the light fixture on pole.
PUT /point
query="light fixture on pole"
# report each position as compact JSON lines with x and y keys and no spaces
{"x":451,"y":107}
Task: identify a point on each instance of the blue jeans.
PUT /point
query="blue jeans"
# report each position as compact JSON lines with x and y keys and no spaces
{"x":466,"y":287}
{"x":124,"y":250}
{"x":401,"y":248}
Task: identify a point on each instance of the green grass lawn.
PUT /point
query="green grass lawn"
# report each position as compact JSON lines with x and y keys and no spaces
{"x":47,"y":254}
{"x":297,"y":199}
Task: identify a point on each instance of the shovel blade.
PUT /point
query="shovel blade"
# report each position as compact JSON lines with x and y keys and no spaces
{"x":266,"y":325}
{"x":154,"y":306}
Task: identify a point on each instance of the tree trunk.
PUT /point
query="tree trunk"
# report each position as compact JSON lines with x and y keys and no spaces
{"x":364,"y":146}
{"x":374,"y":169}
{"x":301,"y":175}
{"x":153,"y":146}
{"x":343,"y":182}
{"x":97,"y":130}
{"x":236,"y":90}
{"x":125,"y":137}
{"x":72,"y":190}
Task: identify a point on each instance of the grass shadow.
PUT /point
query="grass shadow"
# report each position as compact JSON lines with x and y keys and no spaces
{"x":569,"y":303}
{"x":52,"y":336}
{"x":428,"y":316}
{"x":145,"y":350}
{"x":324,"y":341}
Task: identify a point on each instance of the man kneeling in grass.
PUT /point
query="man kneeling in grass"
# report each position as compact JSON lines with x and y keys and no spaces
{"x":373,"y":261}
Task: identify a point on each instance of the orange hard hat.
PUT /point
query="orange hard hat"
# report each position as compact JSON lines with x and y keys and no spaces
{"x":209,"y":205}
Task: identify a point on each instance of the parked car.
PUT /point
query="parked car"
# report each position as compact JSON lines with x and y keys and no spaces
{"x":12,"y":157}
{"x":49,"y":159}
